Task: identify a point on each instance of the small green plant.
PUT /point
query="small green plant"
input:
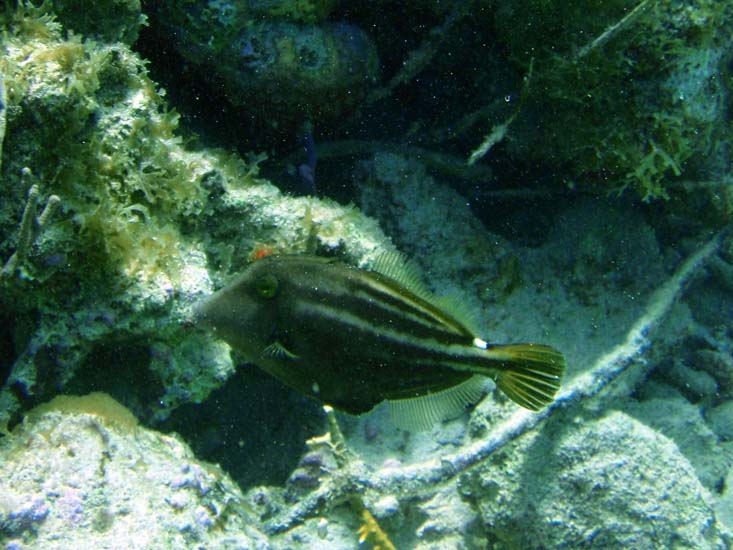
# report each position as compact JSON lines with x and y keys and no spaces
{"x":622,"y":93}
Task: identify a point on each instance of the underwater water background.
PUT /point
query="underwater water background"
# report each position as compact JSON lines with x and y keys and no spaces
{"x":561,"y":171}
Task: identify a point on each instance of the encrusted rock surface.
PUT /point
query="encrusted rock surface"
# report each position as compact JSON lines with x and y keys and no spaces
{"x":593,"y":483}
{"x":81,"y":473}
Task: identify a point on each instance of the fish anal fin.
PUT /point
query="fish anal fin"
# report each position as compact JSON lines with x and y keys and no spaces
{"x":423,"y":412}
{"x":277,"y":350}
{"x":530,"y":374}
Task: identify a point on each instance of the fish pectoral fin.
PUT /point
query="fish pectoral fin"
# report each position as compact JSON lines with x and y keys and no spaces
{"x":530,"y":374}
{"x":421,"y":413}
{"x":277,"y":350}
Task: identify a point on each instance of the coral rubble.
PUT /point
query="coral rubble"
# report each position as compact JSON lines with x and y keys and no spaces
{"x":113,"y":225}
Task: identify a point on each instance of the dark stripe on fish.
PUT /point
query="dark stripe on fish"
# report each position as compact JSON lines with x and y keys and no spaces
{"x":402,"y":338}
{"x":380,"y":303}
{"x":383,"y":290}
{"x":383,"y":311}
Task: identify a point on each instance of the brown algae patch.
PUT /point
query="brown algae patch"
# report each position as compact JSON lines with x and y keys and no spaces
{"x":98,"y":404}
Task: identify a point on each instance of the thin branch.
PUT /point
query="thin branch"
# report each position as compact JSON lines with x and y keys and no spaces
{"x":604,"y":37}
{"x":441,"y":163}
{"x":499,"y":131}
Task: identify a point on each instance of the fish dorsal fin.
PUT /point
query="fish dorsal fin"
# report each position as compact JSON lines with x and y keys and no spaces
{"x":422,"y":413}
{"x":277,"y":350}
{"x":461,"y":311}
{"x":396,"y":266}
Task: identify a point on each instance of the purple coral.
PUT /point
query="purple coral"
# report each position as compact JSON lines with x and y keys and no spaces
{"x":192,"y":476}
{"x":26,"y":515}
{"x":71,"y":506}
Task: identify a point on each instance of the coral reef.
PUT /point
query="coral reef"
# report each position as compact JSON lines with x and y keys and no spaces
{"x":465,"y":499}
{"x":106,"y":20}
{"x":636,"y":81}
{"x":30,"y":225}
{"x":595,"y":486}
{"x":112,"y":278}
{"x":96,"y":295}
{"x":683,"y":423}
{"x":278,"y":61}
{"x":612,"y":95}
{"x":81,"y":473}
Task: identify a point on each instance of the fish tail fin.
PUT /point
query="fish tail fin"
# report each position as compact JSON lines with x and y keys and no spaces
{"x":529,"y":374}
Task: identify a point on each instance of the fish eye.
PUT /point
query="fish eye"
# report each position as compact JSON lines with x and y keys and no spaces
{"x":267,"y":286}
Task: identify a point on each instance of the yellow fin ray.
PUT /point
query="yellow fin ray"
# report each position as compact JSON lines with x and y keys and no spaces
{"x":530,"y":374}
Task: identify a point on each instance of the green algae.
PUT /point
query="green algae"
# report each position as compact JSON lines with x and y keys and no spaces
{"x":626,"y":92}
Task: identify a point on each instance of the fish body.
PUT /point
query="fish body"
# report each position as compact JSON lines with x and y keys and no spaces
{"x":353,"y":338}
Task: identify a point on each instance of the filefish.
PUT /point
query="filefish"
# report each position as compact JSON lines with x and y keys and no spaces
{"x":352,"y":338}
